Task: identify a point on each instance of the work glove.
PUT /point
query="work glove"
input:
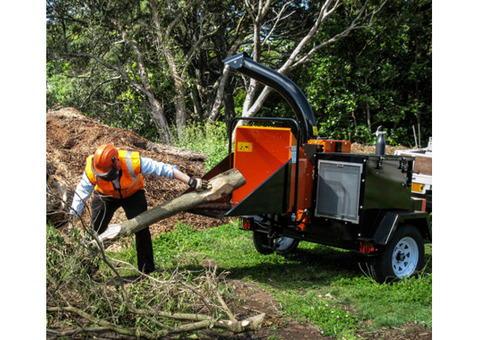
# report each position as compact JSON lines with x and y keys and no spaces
{"x":199,"y":184}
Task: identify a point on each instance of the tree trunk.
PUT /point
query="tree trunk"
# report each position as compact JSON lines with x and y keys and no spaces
{"x":222,"y":185}
{"x":157,"y":114}
{"x":197,"y":106}
{"x":298,"y":56}
{"x":165,"y":47}
{"x":180,"y":105}
{"x":369,"y":120}
{"x":229,"y":103}
{"x":217,"y":104}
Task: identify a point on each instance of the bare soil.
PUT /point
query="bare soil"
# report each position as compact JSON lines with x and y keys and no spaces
{"x":71,"y":137}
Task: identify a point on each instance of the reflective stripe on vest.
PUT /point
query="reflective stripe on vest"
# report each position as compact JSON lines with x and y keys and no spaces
{"x":130,"y":182}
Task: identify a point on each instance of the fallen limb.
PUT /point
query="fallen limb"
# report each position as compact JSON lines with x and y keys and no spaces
{"x":222,"y":185}
{"x":235,"y":326}
{"x":78,"y":306}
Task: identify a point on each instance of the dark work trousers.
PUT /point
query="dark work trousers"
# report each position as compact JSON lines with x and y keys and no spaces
{"x":103,"y":208}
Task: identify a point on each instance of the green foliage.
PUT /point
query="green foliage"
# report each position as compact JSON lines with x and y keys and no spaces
{"x":323,"y":312}
{"x":376,"y":76}
{"x":61,"y":87}
{"x":209,"y":139}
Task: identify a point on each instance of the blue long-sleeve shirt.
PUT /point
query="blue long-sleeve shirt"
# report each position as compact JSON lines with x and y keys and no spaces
{"x":85,"y":188}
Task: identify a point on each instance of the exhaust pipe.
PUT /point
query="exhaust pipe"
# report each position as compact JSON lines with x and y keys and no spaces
{"x":380,"y":144}
{"x":286,"y":87}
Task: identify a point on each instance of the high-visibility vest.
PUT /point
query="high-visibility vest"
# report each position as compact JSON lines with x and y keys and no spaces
{"x":130,"y":182}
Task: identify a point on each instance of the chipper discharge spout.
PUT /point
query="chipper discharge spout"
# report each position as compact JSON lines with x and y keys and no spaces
{"x":286,"y":87}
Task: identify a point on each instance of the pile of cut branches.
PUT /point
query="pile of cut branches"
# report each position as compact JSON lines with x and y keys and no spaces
{"x":89,"y":294}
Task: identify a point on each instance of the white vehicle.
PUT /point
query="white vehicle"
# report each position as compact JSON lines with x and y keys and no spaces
{"x":422,"y":171}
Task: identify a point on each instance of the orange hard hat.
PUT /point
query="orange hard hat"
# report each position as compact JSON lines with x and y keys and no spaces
{"x":105,"y":159}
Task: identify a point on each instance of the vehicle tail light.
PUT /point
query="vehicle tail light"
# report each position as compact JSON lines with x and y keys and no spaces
{"x":417,"y":187}
{"x":421,"y":203}
{"x":366,"y":247}
{"x":247,"y":224}
{"x":424,"y":204}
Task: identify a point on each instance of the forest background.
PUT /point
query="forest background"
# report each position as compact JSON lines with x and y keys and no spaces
{"x":154,"y":66}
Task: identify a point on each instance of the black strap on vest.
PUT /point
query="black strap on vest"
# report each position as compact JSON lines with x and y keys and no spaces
{"x":116,"y":183}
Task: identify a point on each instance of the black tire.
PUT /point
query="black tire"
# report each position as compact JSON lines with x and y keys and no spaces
{"x":260,"y":241}
{"x":403,"y":256}
{"x":283,"y":245}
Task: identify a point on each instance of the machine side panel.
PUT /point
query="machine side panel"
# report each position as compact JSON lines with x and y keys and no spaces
{"x":387,"y":184}
{"x":270,"y":197}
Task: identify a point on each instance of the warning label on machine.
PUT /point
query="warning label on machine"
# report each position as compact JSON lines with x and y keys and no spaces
{"x":244,"y":147}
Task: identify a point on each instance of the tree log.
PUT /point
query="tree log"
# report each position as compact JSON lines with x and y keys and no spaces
{"x":222,"y":185}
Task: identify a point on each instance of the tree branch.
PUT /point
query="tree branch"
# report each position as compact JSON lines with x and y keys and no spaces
{"x":251,"y":107}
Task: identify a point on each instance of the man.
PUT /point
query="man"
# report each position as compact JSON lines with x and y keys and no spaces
{"x":115,"y":177}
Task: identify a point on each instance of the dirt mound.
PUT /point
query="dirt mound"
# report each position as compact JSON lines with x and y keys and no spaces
{"x":370,"y":149}
{"x":71,"y":137}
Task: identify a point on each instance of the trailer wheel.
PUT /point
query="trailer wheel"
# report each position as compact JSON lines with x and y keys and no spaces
{"x":260,"y":241}
{"x":283,"y":245}
{"x":402,"y":257}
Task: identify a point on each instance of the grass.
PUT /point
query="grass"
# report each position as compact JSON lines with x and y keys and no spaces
{"x":317,"y":284}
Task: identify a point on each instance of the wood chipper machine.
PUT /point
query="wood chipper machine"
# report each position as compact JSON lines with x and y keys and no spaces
{"x":300,"y":187}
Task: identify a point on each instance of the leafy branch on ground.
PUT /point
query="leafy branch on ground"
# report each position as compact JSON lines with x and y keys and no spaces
{"x":89,"y":293}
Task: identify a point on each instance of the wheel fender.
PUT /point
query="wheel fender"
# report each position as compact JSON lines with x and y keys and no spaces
{"x":392,"y":220}
{"x":386,"y":228}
